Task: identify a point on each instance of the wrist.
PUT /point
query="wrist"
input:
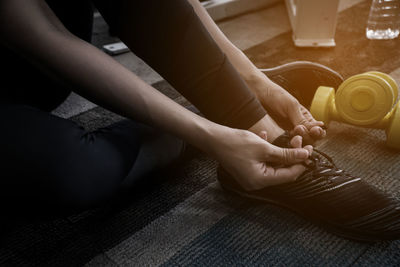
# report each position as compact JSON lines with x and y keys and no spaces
{"x":263,"y":87}
{"x":216,"y":139}
{"x":207,"y":136}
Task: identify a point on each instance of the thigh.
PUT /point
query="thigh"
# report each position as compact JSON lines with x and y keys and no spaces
{"x":52,"y":164}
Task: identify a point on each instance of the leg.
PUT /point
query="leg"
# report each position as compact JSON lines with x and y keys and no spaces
{"x":52,"y":165}
{"x":169,"y":36}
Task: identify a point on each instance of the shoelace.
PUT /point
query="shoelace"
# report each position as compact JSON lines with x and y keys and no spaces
{"x":318,"y":167}
{"x":321,"y":165}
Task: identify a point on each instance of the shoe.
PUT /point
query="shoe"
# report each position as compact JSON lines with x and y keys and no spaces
{"x":302,"y":78}
{"x":342,"y":203}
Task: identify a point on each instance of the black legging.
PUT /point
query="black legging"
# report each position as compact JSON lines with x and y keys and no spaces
{"x":53,"y":160}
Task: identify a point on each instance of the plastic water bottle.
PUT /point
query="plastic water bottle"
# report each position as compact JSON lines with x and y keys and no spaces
{"x":384,"y":19}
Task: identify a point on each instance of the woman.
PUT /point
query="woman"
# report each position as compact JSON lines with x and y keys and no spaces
{"x":52,"y":160}
{"x":51,"y":165}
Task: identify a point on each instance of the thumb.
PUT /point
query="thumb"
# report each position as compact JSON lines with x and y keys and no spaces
{"x":287,"y":156}
{"x":263,"y":135}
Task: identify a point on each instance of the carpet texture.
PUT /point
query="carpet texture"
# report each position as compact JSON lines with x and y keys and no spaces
{"x":190,"y":221}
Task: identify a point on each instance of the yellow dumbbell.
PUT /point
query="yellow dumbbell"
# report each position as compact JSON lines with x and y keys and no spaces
{"x":367,"y":100}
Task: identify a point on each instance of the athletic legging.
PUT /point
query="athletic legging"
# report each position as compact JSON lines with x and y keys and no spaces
{"x":53,"y":164}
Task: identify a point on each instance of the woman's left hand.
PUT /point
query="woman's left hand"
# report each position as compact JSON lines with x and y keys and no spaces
{"x":284,"y":106}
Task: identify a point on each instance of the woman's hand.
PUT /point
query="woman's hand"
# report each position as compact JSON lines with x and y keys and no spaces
{"x":253,"y":162}
{"x":282,"y":104}
{"x":272,"y":96}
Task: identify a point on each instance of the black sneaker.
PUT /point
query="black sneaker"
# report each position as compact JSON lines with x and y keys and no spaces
{"x":327,"y":195}
{"x":302,"y":78}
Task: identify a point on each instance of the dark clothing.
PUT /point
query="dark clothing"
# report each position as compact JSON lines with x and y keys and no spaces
{"x":24,"y":83}
{"x":53,"y":160}
{"x":53,"y":163}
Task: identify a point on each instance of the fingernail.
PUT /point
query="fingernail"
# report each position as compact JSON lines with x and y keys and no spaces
{"x":302,"y":153}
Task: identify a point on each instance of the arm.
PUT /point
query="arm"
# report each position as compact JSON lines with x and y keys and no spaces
{"x":31,"y":29}
{"x":36,"y":33}
{"x":271,"y":95}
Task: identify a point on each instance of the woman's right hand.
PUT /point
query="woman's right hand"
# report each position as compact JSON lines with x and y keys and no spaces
{"x":254,"y":162}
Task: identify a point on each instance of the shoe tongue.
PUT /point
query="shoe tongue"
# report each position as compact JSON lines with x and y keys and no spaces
{"x":283,"y":140}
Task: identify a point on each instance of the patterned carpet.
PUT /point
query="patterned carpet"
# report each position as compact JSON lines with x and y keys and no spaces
{"x":190,"y":221}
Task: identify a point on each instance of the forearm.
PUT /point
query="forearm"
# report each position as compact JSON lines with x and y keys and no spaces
{"x":105,"y":81}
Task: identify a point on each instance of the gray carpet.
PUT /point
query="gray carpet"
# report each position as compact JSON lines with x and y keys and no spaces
{"x":188,"y":220}
{"x":214,"y":228}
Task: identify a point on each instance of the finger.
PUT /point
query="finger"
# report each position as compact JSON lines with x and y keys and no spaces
{"x":309,"y":119}
{"x":296,"y":142}
{"x":312,"y":124}
{"x":317,"y":132}
{"x":304,"y":132}
{"x":287,"y":156}
{"x":309,"y":148}
{"x":299,"y":130}
{"x":282,"y":175}
{"x":300,"y":115}
{"x":263,"y":135}
{"x":297,"y":115}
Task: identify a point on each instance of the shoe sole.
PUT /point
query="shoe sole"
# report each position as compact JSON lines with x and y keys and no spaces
{"x":332,"y":228}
